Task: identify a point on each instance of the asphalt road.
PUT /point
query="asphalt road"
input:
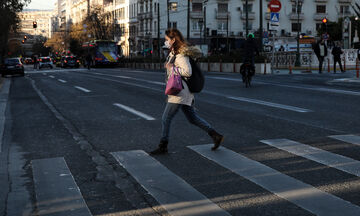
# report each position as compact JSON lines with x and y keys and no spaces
{"x":75,"y":142}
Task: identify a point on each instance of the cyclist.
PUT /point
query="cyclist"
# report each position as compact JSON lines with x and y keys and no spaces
{"x":250,"y":49}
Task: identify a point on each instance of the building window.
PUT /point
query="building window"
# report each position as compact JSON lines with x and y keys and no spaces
{"x":249,"y":26}
{"x":344,"y":9}
{"x":222,"y":8}
{"x":173,"y":6}
{"x":222,"y":25}
{"x":295,"y":27}
{"x":320,"y":8}
{"x":249,"y":8}
{"x":197,"y":7}
{"x":294,"y":8}
{"x":197,"y":24}
{"x":318,"y":26}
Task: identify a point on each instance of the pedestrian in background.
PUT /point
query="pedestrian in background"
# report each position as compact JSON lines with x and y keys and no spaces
{"x":320,"y":50}
{"x":35,"y":62}
{"x":336,"y":52}
{"x":88,"y":61}
{"x":178,"y":57}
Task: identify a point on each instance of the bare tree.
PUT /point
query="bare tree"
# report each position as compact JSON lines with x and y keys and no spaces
{"x":9,"y":21}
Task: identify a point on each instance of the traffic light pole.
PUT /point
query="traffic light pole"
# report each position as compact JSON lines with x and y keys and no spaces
{"x":297,"y":61}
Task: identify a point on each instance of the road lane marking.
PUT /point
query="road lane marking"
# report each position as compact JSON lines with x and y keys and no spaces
{"x":281,"y":106}
{"x":129,"y":109}
{"x":311,"y":88}
{"x":304,"y":195}
{"x":276,"y":105}
{"x":353,"y":139}
{"x":52,"y":76}
{"x":125,"y":77}
{"x":174,"y":194}
{"x":56,"y":190}
{"x":61,"y":80}
{"x":82,"y":89}
{"x":336,"y":161}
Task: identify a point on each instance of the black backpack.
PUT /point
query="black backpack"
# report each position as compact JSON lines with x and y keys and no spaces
{"x":197,"y":80}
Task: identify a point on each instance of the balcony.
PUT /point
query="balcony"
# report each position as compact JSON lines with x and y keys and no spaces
{"x":141,"y":16}
{"x":251,"y":16}
{"x":294,"y":16}
{"x":345,"y":1}
{"x":320,"y":16}
{"x":196,"y":14}
{"x":148,"y":15}
{"x":221,"y":15}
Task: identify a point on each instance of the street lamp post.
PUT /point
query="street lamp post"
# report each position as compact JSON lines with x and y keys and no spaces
{"x":298,"y":8}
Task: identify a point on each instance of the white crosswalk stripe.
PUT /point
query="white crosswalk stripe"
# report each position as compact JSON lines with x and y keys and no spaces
{"x":353,"y":139}
{"x":293,"y":190}
{"x":56,"y":190}
{"x":173,"y":193}
{"x":339,"y":162}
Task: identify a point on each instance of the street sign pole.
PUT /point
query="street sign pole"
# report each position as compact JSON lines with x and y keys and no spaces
{"x":275,"y":7}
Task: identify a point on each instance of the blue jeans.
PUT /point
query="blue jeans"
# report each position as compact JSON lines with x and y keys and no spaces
{"x":171,"y":109}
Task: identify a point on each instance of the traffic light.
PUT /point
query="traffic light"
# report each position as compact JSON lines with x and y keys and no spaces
{"x":34,"y":24}
{"x":25,"y":37}
{"x":324,"y":20}
{"x":23,"y":41}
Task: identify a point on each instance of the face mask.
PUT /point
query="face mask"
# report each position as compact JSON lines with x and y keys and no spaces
{"x":167,"y":44}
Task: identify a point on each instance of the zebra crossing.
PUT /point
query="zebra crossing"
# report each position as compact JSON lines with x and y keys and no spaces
{"x":56,"y":190}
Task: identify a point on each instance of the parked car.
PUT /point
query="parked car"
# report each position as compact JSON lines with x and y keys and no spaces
{"x":45,"y":62}
{"x":29,"y":61}
{"x":12,"y":66}
{"x":70,"y":61}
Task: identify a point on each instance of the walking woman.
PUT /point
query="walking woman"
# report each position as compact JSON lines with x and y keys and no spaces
{"x":179,"y":53}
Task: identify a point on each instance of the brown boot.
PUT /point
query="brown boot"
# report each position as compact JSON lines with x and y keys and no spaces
{"x":162,"y":149}
{"x":217,"y":139}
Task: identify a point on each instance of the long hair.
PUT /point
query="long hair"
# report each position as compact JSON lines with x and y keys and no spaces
{"x":179,"y":39}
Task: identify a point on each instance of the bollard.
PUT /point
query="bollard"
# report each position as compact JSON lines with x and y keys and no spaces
{"x":265,"y":66}
{"x":208,"y":65}
{"x":290,"y":67}
{"x":328,"y":65}
{"x":234,"y":66}
{"x":220,"y":65}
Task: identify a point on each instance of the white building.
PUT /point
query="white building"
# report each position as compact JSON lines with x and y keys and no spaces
{"x":42,"y":19}
{"x":137,"y":20}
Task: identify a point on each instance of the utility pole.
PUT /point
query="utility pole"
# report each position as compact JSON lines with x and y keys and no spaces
{"x":188,"y":21}
{"x":247,"y":17}
{"x":261,"y":25}
{"x":227,"y":32}
{"x":297,"y":60}
{"x":158,"y":31}
{"x":168,"y":15}
{"x":205,"y":29}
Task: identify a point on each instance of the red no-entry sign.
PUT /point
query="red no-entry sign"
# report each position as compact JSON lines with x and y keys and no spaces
{"x":274,"y":6}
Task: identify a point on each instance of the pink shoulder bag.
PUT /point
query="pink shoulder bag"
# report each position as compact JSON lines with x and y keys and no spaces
{"x":174,"y":83}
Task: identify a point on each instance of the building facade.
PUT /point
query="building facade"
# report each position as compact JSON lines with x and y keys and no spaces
{"x":41,"y":17}
{"x":211,"y":22}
